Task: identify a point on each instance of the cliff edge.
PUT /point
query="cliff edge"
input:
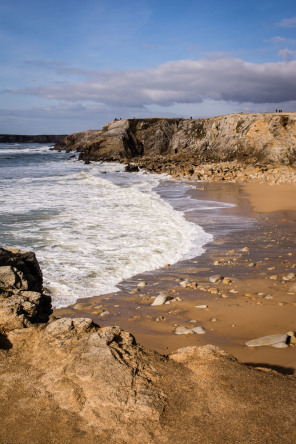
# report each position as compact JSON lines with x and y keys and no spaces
{"x":267,"y":138}
{"x":70,"y":381}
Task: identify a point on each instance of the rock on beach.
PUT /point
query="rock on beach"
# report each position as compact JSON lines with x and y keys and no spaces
{"x":273,"y":340}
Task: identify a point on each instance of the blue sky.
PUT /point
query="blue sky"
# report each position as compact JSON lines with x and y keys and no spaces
{"x":67,"y":66}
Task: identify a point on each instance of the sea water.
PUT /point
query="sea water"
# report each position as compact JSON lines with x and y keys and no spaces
{"x":91,"y":226}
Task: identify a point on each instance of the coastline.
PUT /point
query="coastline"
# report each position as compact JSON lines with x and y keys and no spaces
{"x":261,"y":247}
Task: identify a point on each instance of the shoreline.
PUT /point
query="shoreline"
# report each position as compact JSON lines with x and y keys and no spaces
{"x":236,"y":312}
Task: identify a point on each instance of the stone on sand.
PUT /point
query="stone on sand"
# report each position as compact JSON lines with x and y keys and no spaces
{"x":268,"y":340}
{"x":161,"y":299}
{"x":183,"y":331}
{"x":199,"y":330}
{"x":216,"y":278}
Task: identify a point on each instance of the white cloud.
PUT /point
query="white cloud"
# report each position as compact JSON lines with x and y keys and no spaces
{"x":183,"y":81}
{"x":288,"y":22}
{"x":287,"y":54}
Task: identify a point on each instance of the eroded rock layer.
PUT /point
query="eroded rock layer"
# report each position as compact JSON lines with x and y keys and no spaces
{"x":70,"y":381}
{"x":248,"y":138}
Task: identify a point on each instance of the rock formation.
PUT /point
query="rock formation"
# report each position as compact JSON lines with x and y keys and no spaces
{"x":70,"y":381}
{"x":43,"y":138}
{"x":22,"y":302}
{"x":248,"y":138}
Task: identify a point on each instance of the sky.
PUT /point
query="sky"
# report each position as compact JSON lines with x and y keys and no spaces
{"x":68,"y":66}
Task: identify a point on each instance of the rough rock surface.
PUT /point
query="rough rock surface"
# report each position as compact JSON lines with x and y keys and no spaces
{"x":22,"y":301}
{"x":70,"y":381}
{"x":247,"y":138}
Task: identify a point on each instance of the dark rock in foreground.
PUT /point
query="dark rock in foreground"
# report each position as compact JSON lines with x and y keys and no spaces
{"x":70,"y":381}
{"x":22,"y":301}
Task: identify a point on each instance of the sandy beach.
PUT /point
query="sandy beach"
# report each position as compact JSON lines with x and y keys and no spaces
{"x":253,"y":250}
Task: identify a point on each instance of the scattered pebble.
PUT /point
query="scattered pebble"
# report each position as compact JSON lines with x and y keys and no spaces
{"x":227,"y":281}
{"x":183,"y":331}
{"x":216,"y":278}
{"x":184,"y":283}
{"x":273,"y":277}
{"x":142,"y":284}
{"x":289,"y":277}
{"x":187,"y":331}
{"x":214,"y":320}
{"x":199,"y":330}
{"x":104,"y":313}
{"x":201,"y":306}
{"x":160,"y":318}
{"x":80,"y":306}
{"x":160,"y":299}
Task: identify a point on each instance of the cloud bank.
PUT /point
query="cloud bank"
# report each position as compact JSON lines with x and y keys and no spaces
{"x":183,"y":81}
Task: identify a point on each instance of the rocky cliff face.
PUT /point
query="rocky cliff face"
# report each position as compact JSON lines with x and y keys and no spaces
{"x":249,"y":138}
{"x":70,"y":381}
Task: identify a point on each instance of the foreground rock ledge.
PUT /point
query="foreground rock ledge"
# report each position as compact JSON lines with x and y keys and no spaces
{"x":69,"y":380}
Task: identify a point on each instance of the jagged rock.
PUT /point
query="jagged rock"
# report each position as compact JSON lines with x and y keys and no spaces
{"x":71,"y":381}
{"x":21,"y":299}
{"x":257,"y":139}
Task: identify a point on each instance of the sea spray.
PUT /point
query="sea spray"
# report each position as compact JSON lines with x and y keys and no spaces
{"x":91,"y":226}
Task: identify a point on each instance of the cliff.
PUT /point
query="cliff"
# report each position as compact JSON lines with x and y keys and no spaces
{"x":42,"y":138}
{"x":70,"y":381}
{"x":247,"y":138}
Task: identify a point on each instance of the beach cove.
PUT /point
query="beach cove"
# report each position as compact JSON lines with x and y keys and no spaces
{"x":255,"y":254}
{"x":163,"y":359}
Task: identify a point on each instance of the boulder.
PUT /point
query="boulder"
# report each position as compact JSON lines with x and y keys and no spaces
{"x":21,"y":299}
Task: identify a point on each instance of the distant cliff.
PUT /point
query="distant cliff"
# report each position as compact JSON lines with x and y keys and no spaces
{"x":268,"y":138}
{"x":43,"y":138}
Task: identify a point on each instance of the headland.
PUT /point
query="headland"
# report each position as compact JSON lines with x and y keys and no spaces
{"x":74,"y":378}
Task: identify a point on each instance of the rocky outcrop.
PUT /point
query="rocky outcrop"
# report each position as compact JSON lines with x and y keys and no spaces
{"x":70,"y":381}
{"x":43,"y":138}
{"x":22,"y":301}
{"x":247,"y":138}
{"x":78,"y":141}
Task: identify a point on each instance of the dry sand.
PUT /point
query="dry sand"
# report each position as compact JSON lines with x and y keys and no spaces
{"x":255,"y":251}
{"x":267,"y":198}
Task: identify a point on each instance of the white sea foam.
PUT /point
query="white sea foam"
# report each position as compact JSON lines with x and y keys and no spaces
{"x":92,"y":226}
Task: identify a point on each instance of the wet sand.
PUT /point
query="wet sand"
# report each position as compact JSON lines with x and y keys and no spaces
{"x":254,"y":247}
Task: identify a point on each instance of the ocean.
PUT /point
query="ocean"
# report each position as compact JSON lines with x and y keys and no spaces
{"x":91,"y":226}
